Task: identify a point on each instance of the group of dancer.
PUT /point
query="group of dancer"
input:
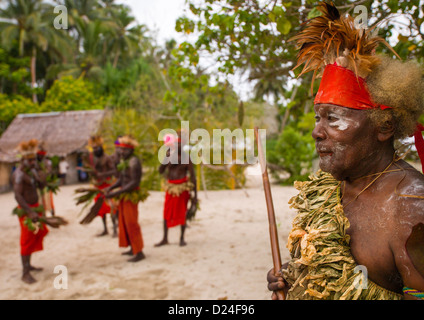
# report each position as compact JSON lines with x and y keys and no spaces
{"x":117,"y":178}
{"x":359,"y":229}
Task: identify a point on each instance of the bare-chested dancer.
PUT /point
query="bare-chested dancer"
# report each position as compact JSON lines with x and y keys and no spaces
{"x":177,"y":187}
{"x":128,"y":185}
{"x":25,"y":184}
{"x":103,"y":174}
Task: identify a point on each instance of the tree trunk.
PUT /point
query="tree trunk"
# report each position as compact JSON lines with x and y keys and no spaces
{"x":116,"y":59}
{"x":287,"y":113}
{"x":33,"y":76}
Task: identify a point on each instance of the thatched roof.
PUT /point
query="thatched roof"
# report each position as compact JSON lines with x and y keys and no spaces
{"x":62,"y":132}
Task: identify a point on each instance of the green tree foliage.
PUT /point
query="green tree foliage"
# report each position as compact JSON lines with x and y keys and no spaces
{"x":14,"y":73}
{"x":11,"y":106}
{"x":105,"y":59}
{"x":292,"y":153}
{"x":69,"y":94}
{"x":253,"y":37}
{"x":29,"y":24}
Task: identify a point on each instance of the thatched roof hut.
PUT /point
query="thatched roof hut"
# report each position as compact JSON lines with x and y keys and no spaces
{"x":64,"y":134}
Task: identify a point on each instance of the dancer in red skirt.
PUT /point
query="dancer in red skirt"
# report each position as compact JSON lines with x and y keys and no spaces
{"x":25,"y":183}
{"x":177,"y":187}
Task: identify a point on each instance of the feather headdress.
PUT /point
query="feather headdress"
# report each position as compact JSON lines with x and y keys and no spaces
{"x":42,"y":150}
{"x":127,"y":142}
{"x":95,"y":141}
{"x":28,"y":149}
{"x":332,"y":38}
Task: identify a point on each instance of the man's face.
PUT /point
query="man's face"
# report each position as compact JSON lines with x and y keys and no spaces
{"x":98,"y":151}
{"x":345,"y":140}
{"x":124,"y":153}
{"x":29,"y":163}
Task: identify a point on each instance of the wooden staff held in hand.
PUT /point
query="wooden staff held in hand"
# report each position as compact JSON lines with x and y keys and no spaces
{"x":275,"y":247}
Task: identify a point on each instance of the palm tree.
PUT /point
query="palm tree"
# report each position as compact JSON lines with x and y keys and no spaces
{"x":89,"y":57}
{"x":29,"y":22}
{"x":81,"y":12}
{"x":127,"y":36}
{"x":270,"y":84}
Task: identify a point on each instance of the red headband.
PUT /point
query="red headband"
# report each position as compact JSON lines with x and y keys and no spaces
{"x":341,"y":87}
{"x":42,"y":152}
{"x":124,"y":145}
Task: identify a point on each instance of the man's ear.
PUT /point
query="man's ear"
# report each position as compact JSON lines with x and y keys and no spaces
{"x":386,"y":131}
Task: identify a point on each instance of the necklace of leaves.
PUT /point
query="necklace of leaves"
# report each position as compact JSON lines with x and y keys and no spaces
{"x":30,"y":173}
{"x":123,"y":164}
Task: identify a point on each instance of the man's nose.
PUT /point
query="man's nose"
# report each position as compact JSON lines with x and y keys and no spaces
{"x":319,"y":132}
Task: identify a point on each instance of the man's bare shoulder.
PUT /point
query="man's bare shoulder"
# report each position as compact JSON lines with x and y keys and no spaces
{"x":134,"y":160}
{"x":17,"y":176}
{"x":408,"y":197}
{"x":109,"y":159}
{"x":407,"y":226}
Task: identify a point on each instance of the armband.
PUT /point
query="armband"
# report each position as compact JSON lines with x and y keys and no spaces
{"x":415,"y":293}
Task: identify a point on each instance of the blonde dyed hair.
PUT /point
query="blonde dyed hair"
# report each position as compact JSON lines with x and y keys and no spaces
{"x":95,"y":141}
{"x":399,"y":85}
{"x":28,"y":149}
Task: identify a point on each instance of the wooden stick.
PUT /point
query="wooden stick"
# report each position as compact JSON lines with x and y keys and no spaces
{"x":275,"y":247}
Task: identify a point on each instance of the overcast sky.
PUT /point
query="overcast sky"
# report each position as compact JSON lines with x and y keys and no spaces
{"x":158,"y":15}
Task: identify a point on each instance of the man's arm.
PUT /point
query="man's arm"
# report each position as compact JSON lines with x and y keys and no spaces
{"x":408,"y":249}
{"x":18,"y":189}
{"x":193,"y":179}
{"x":41,"y":180}
{"x":133,"y":181}
{"x":110,"y":169}
{"x":117,"y":184}
{"x":415,"y":251}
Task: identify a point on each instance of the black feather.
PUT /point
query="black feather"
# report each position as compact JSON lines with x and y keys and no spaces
{"x":332,"y":11}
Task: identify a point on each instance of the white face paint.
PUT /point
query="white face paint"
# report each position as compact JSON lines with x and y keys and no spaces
{"x":340,"y":121}
{"x":340,"y":124}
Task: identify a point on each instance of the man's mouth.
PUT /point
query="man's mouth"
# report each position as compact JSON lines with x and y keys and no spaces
{"x":324,"y":153}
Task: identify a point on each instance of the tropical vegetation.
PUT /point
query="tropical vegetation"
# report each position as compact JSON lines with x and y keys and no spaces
{"x":98,"y":56}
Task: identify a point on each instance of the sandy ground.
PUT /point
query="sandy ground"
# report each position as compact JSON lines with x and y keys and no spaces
{"x":227,"y":254}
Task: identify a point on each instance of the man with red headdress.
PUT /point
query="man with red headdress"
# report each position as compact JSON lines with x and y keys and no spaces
{"x":177,"y":189}
{"x":129,"y":195}
{"x":359,"y":231}
{"x":25,"y":183}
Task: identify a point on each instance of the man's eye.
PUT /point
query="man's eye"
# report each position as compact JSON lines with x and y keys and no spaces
{"x":316,"y":118}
